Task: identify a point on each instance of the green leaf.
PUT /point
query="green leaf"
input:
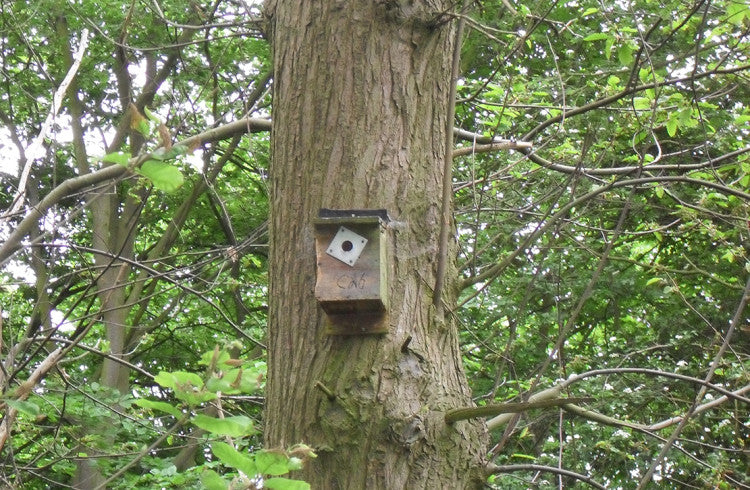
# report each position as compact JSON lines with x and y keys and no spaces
{"x":625,"y":54}
{"x":229,"y":456}
{"x":178,"y":379}
{"x":608,"y":47}
{"x":597,"y":36}
{"x":236,"y":380}
{"x":640,"y":136}
{"x":654,"y":280}
{"x":151,"y":115}
{"x":164,"y":176}
{"x":212,"y":481}
{"x":222,"y":384}
{"x":737,"y":11}
{"x":160,"y":154}
{"x":143,"y":127}
{"x":641,"y":103}
{"x":138,"y":122}
{"x":237,"y":426}
{"x":24,"y":406}
{"x":118,"y":157}
{"x":285,"y":484}
{"x":672,"y":125}
{"x":272,"y":463}
{"x":589,"y":11}
{"x":194,"y":397}
{"x":161,"y":406}
{"x":208,"y":356}
{"x":524,"y":456}
{"x":179,"y":150}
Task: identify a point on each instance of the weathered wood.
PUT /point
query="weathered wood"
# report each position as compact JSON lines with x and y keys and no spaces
{"x":360,"y":102}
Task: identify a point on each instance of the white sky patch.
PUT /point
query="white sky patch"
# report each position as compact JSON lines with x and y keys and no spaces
{"x":58,"y":320}
{"x":9,"y":153}
{"x":20,"y":272}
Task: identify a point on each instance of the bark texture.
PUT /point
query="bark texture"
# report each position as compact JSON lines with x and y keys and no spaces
{"x":360,"y":101}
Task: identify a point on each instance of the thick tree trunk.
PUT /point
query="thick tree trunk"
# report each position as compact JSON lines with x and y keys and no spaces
{"x":360,"y":101}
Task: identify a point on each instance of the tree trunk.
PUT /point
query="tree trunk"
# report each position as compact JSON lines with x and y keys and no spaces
{"x":360,"y":102}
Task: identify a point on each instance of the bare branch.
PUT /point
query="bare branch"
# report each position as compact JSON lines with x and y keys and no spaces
{"x":629,"y":91}
{"x":493,"y":271}
{"x":36,"y":145}
{"x":553,"y":393}
{"x":737,"y":319}
{"x":113,"y":172}
{"x":512,"y":468}
{"x":456,"y":414}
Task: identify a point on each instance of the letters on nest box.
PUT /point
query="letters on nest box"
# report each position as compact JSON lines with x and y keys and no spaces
{"x":352,"y":280}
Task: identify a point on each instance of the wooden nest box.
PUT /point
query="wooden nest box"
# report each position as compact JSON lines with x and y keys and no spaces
{"x":352,"y":279}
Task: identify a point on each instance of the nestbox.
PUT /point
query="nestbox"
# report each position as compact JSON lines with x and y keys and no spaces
{"x":352,"y":279}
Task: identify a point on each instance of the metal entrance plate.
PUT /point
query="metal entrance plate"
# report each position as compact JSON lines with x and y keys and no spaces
{"x":346,"y":246}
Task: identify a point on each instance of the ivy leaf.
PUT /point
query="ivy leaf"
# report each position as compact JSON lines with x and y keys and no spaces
{"x":164,"y":176}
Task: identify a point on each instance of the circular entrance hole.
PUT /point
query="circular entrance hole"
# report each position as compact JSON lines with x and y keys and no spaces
{"x":347,"y":246}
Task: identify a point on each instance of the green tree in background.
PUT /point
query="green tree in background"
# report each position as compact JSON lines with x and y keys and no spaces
{"x":591,"y":327}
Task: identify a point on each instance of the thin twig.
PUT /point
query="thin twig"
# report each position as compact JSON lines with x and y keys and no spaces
{"x":38,"y":141}
{"x":446,"y":211}
{"x":738,"y":317}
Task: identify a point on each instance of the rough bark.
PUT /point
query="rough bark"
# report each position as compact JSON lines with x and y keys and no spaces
{"x":360,"y":102}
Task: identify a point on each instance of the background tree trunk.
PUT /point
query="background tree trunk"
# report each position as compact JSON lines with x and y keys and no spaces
{"x":360,"y":101}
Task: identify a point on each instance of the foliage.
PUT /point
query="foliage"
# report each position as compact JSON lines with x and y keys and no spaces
{"x":620,"y":241}
{"x":610,"y":260}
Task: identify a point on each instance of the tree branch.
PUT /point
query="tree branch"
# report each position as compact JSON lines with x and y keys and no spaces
{"x":457,"y":414}
{"x":446,"y":209}
{"x":36,"y":144}
{"x":553,"y":392}
{"x":494,"y":270}
{"x":511,"y":468}
{"x":736,"y":319}
{"x":112,"y":172}
{"x":629,"y":91}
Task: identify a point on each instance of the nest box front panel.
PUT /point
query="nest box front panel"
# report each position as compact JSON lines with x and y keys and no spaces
{"x":350,"y":268}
